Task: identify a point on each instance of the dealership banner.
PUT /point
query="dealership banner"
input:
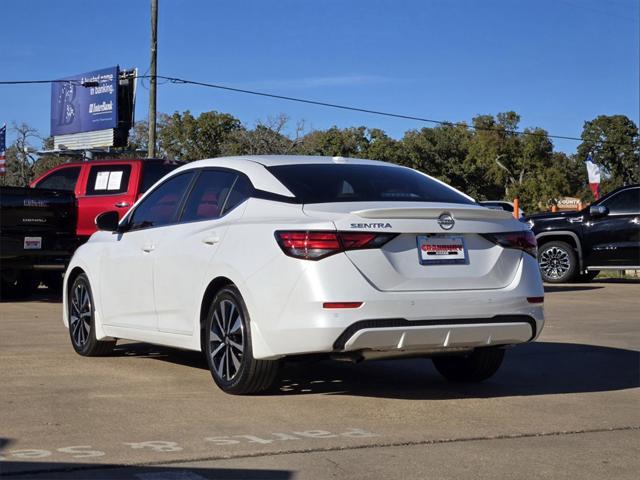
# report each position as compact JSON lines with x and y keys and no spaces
{"x":76,"y":109}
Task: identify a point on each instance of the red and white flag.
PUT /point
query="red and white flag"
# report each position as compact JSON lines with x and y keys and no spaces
{"x":3,"y":149}
{"x":593,"y":171}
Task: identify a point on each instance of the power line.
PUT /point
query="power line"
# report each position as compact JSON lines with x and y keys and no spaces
{"x":27,"y":82}
{"x":362,"y":110}
{"x":177,"y":80}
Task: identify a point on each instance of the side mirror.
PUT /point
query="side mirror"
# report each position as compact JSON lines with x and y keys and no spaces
{"x":108,"y":221}
{"x":598,"y":211}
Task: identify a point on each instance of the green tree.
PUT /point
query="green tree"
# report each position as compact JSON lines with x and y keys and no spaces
{"x":348,"y":142}
{"x":211,"y":134}
{"x":439,"y":152}
{"x":613,"y":143}
{"x":268,"y":137}
{"x":494,"y":152}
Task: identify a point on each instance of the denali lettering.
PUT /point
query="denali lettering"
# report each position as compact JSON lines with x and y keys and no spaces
{"x":371,"y":225}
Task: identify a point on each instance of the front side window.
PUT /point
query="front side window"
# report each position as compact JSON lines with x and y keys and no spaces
{"x":160,"y":207}
{"x":108,"y":179}
{"x":62,"y":179}
{"x":627,"y":201}
{"x":208,"y":196}
{"x":328,"y":183}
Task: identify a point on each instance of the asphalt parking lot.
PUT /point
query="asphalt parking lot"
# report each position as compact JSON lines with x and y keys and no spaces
{"x":567,"y":406}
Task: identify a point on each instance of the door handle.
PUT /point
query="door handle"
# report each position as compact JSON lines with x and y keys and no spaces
{"x":122,"y":204}
{"x":148,"y":247}
{"x":211,"y":239}
{"x":636,"y":220}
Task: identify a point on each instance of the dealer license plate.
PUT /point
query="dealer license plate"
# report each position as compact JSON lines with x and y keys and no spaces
{"x":33,"y":243}
{"x":441,"y":249}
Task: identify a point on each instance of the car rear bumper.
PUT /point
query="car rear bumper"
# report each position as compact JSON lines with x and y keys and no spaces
{"x":372,"y":339}
{"x":394,"y":322}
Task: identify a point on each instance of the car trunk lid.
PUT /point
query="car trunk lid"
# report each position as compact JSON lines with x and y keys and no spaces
{"x":437,"y":246}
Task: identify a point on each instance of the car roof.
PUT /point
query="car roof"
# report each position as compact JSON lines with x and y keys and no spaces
{"x":119,"y":160}
{"x":254,"y":166}
{"x":279,"y":160}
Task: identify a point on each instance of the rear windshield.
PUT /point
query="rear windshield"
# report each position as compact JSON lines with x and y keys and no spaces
{"x":328,"y":183}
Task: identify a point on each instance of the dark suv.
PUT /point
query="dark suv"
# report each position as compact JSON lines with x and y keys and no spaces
{"x":577,"y":245}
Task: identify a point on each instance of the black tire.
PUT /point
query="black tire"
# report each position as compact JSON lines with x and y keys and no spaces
{"x":558,"y":262}
{"x":587,"y":277}
{"x":234,"y":369}
{"x":81,"y":314}
{"x":477,"y":366}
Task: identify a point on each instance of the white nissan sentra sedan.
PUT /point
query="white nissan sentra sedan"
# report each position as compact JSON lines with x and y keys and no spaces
{"x":252,"y":259}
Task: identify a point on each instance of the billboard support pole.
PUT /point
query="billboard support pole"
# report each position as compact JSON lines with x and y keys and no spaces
{"x":152,"y":79}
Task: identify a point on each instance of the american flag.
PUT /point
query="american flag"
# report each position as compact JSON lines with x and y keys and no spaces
{"x":3,"y":148}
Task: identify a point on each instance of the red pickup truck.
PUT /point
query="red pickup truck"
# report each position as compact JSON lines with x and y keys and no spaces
{"x":103,"y":185}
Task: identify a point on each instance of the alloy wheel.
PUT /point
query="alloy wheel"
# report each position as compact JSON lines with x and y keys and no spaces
{"x":226,"y":340}
{"x":80,"y":314}
{"x":554,"y":262}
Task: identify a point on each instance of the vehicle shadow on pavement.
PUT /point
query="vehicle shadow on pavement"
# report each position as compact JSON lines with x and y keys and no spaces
{"x":98,"y":471}
{"x":538,"y":368}
{"x":616,"y":280}
{"x":569,"y":288}
{"x":72,"y":471}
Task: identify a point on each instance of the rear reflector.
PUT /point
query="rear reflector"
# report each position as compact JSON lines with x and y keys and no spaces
{"x":535,"y":299}
{"x":341,"y":304}
{"x":314,"y":245}
{"x":524,"y":240}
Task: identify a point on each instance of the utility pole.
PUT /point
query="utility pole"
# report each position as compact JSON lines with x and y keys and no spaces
{"x":152,"y":81}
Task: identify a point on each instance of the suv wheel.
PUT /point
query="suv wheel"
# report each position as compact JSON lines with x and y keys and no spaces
{"x":228,"y":347}
{"x":476,"y":366}
{"x":557,"y":261}
{"x":81,"y":314}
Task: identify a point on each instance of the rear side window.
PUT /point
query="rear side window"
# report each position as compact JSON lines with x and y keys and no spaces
{"x":154,"y":171}
{"x":627,"y":201}
{"x":108,"y":179}
{"x":239,"y":193}
{"x":208,"y":196}
{"x":160,"y":207}
{"x":63,"y":179}
{"x":328,"y":183}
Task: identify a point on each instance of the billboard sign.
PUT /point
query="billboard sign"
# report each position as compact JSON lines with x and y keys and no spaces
{"x":77,"y":109}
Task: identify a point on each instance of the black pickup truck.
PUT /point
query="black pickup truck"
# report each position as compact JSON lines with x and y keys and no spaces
{"x":37,"y":237}
{"x":577,"y":245}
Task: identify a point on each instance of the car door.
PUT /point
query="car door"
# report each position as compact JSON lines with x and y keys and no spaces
{"x":614,"y":239}
{"x":108,"y":187}
{"x":126,"y":267}
{"x":183,"y":252}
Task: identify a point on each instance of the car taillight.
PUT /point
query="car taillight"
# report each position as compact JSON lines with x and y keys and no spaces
{"x":524,"y":240}
{"x":314,"y":245}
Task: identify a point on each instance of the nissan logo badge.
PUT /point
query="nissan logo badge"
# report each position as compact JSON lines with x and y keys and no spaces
{"x":446,"y":221}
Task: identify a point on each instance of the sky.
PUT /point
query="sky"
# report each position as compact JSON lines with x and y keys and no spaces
{"x":558,"y":63}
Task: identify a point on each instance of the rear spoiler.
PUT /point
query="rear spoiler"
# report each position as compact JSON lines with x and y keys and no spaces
{"x":458,"y":213}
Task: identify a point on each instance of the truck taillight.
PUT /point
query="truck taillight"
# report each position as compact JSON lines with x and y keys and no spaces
{"x":314,"y":245}
{"x":524,"y":240}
